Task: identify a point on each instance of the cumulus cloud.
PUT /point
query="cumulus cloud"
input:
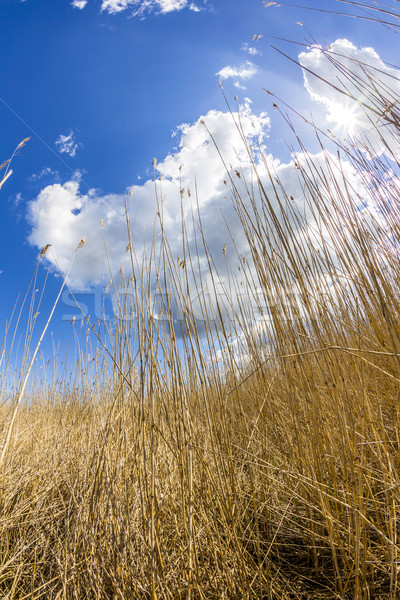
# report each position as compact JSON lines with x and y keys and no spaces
{"x":245,"y":71}
{"x":140,"y":7}
{"x":66,"y":144}
{"x":62,"y":214}
{"x":79,"y":4}
{"x":193,"y":175}
{"x":360,"y":93}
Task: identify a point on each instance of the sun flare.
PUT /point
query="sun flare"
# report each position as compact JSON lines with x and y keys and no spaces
{"x":344,"y":116}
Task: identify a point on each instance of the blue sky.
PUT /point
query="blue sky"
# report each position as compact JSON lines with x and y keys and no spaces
{"x":102,"y":87}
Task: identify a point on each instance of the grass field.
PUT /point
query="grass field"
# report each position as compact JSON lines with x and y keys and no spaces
{"x":272,"y":474}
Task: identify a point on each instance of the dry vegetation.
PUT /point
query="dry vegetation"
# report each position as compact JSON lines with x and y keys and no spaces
{"x":272,"y":475}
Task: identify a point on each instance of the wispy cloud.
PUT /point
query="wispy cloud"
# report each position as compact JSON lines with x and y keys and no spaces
{"x":66,"y":144}
{"x":245,"y":71}
{"x":140,"y":7}
{"x":79,"y":3}
{"x":250,"y":50}
{"x":45,"y":172}
{"x":17,"y":201}
{"x":115,"y":6}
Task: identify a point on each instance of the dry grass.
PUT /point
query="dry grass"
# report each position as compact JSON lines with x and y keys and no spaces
{"x":273,"y":475}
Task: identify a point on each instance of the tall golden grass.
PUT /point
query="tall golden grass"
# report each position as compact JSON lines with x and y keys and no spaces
{"x":272,"y":475}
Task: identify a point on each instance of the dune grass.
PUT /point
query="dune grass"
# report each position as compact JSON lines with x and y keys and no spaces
{"x":270,"y":474}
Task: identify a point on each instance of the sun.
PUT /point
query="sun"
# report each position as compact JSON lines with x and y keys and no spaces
{"x":344,"y":116}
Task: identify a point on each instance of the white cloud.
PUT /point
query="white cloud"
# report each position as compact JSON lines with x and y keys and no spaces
{"x":79,"y":3}
{"x":18,"y":199}
{"x":251,"y":50}
{"x":142,"y":6}
{"x":368,"y":85}
{"x":115,"y":6}
{"x":171,"y":5}
{"x":245,"y":71}
{"x":45,"y":172}
{"x":62,"y":214}
{"x":66,"y":144}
